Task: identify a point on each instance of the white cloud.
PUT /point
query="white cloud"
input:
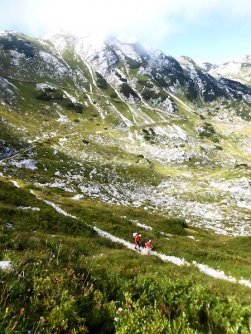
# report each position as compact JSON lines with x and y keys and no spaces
{"x":151,"y":16}
{"x":152,"y":21}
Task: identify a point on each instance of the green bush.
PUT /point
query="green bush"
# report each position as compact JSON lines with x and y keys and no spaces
{"x":145,"y":83}
{"x":149,"y":94}
{"x":176,"y":226}
{"x":207,"y":131}
{"x":101,"y":82}
{"x":61,"y":302}
{"x":133,"y":64}
{"x":126,"y":90}
{"x":179,"y":307}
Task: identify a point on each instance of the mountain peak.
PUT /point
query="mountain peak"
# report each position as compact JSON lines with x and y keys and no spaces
{"x":238,"y":69}
{"x":187,"y":62}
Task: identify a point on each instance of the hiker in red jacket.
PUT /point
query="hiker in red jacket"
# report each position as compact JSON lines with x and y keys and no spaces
{"x":148,"y":246}
{"x":137,"y":241}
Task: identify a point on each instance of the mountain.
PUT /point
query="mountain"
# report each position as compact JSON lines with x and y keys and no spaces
{"x":207,"y":66}
{"x":188,"y":62}
{"x":100,"y":138}
{"x":122,"y":108}
{"x":239,"y":69}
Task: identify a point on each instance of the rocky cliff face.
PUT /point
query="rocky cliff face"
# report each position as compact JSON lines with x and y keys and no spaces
{"x":163,"y":72}
{"x":114,"y":121}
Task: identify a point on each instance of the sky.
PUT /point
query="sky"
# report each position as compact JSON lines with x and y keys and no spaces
{"x":205,"y":30}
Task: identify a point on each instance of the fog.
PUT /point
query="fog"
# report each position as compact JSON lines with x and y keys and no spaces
{"x":154,"y":22}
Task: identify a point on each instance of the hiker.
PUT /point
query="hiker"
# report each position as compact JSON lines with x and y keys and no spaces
{"x":137,"y":240}
{"x":148,"y":246}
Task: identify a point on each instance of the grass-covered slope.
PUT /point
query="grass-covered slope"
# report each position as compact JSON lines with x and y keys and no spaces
{"x":64,"y":278}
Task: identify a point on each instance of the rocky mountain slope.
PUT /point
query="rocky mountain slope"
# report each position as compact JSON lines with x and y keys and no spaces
{"x":119,"y":123}
{"x":239,"y":69}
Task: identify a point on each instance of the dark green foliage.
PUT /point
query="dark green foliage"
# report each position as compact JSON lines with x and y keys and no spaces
{"x":180,"y":307}
{"x":113,"y":95}
{"x":173,"y":74}
{"x":149,"y":94}
{"x":78,"y":107}
{"x":126,"y":90}
{"x":15,"y":196}
{"x":211,"y":90}
{"x":11,"y":142}
{"x":118,"y":74}
{"x":120,"y":77}
{"x":134,"y":64}
{"x":149,"y":135}
{"x":54,"y":301}
{"x":98,"y":75}
{"x":101,"y":82}
{"x":176,"y":226}
{"x":46,"y":219}
{"x":44,"y":96}
{"x":244,"y":166}
{"x":19,"y":45}
{"x":123,"y":79}
{"x":54,"y":94}
{"x":145,"y":83}
{"x":237,"y":89}
{"x":160,"y":81}
{"x":55,"y":294}
{"x":207,"y":131}
{"x":218,"y":147}
{"x":191,"y":91}
{"x":50,"y":94}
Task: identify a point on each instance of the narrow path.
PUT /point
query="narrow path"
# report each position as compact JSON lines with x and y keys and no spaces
{"x":17,"y":154}
{"x":40,"y":140}
{"x":218,"y":274}
{"x":99,"y":110}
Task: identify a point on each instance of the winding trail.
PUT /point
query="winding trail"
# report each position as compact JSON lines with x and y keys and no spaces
{"x":17,"y":154}
{"x":217,"y":274}
{"x":35,"y":142}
